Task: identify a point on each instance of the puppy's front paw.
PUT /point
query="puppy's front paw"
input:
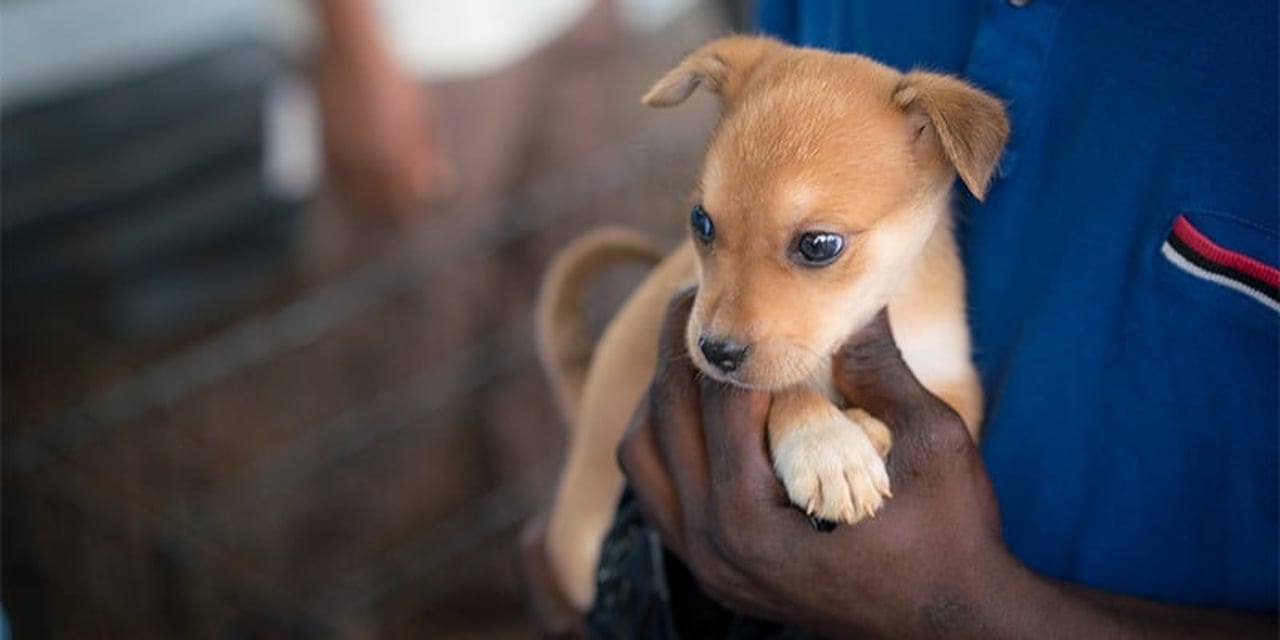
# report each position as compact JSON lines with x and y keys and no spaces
{"x":831,"y":469}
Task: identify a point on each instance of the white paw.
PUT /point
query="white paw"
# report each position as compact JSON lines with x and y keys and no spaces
{"x":831,"y":470}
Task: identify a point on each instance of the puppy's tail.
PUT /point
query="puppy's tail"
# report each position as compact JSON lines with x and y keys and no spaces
{"x":562,"y":337}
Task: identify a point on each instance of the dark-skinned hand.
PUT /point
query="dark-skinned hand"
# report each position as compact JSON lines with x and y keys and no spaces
{"x":696,"y":458}
{"x":932,"y":563}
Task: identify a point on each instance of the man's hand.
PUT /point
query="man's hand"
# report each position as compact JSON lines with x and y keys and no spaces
{"x":931,"y":563}
{"x":697,"y":461}
{"x":379,"y":129}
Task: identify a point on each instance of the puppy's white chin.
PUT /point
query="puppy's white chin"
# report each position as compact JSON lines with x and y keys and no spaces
{"x":778,"y":383}
{"x":734,"y":378}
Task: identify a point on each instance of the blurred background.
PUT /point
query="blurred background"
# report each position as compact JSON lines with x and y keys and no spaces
{"x":268,"y":269}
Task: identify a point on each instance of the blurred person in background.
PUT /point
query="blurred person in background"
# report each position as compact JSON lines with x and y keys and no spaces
{"x":379,"y":66}
{"x":1123,"y":298}
{"x":139,"y":163}
{"x":460,"y":104}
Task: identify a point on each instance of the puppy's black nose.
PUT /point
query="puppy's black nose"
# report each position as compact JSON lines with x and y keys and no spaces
{"x":725,"y":355}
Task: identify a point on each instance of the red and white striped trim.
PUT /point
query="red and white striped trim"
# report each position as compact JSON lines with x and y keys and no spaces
{"x":1193,"y":252}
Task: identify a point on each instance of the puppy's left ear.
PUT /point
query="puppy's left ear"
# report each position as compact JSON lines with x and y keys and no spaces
{"x":966,"y":126}
{"x":722,"y":66}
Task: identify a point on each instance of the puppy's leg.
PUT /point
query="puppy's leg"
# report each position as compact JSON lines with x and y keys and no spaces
{"x":825,"y":457}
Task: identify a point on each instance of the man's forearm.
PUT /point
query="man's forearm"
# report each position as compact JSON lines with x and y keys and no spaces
{"x":1036,"y":607}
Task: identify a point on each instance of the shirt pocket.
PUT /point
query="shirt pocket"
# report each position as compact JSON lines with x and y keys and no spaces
{"x":1185,"y":425}
{"x":1223,"y":261}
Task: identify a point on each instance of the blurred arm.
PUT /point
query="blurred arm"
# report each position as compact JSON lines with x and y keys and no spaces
{"x":379,"y":127}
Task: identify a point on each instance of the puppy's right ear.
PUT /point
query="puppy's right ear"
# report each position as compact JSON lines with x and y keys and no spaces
{"x":721,"y":65}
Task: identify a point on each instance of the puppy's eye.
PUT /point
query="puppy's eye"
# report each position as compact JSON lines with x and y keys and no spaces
{"x":818,"y":248}
{"x":703,"y":230}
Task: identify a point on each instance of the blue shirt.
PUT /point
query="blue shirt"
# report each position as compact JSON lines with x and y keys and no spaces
{"x":1122,"y":277}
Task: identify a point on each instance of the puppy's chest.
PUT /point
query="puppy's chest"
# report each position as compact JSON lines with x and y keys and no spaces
{"x":934,"y":352}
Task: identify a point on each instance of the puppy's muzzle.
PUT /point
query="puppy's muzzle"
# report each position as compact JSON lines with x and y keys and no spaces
{"x":725,"y":355}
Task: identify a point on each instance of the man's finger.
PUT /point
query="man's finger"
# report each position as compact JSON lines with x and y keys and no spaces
{"x":734,"y":425}
{"x":641,"y":463}
{"x":674,"y":409}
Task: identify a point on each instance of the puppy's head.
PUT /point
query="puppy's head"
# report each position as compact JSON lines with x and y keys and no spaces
{"x":823,"y":180}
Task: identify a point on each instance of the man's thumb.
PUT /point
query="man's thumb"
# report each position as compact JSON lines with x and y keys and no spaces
{"x":871,"y":374}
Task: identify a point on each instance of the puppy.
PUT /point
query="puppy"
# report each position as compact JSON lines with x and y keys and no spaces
{"x":824,"y":197}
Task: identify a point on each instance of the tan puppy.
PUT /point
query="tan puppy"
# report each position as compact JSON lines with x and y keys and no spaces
{"x":825,"y":195}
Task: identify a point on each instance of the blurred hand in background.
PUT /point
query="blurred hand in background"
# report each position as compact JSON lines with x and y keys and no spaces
{"x":381,"y":141}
